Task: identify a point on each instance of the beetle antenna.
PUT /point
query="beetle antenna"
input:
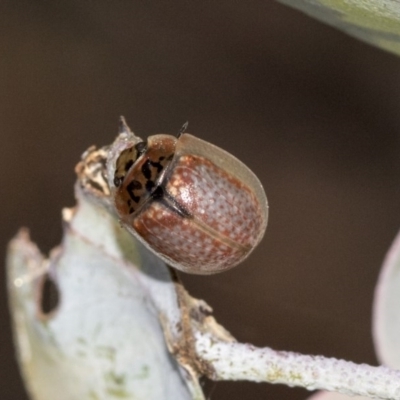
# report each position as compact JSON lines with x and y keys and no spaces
{"x":183,"y":129}
{"x":123,"y":126}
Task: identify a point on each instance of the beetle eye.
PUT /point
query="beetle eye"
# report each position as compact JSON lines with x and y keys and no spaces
{"x":117,"y":181}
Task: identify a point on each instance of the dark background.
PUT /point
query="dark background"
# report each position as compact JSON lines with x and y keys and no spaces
{"x":313,"y":112}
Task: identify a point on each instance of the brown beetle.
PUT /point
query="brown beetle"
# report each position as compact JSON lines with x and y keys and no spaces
{"x":196,"y":206}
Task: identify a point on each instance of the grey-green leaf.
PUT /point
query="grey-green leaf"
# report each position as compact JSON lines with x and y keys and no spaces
{"x":374,"y":21}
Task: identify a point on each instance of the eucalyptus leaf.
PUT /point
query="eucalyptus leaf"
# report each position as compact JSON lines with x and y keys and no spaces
{"x":386,"y":327}
{"x":374,"y":21}
{"x":386,"y":316}
{"x":104,"y":341}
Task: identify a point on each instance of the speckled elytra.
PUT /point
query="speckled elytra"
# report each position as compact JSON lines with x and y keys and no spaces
{"x":195,"y":205}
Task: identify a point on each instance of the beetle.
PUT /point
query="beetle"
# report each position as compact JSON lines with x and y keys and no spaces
{"x":195,"y":205}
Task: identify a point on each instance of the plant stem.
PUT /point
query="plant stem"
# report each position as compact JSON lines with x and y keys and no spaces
{"x":237,"y":361}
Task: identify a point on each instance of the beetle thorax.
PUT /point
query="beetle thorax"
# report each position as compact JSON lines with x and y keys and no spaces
{"x":140,"y":171}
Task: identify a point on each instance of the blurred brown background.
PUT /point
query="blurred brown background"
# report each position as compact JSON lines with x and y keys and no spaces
{"x":313,"y":112}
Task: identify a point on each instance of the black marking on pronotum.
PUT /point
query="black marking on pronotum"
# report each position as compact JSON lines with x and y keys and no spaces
{"x":128,"y":165}
{"x":146,"y":170}
{"x":136,"y":185}
{"x":150,"y":185}
{"x":157,"y":165}
{"x":131,"y":187}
